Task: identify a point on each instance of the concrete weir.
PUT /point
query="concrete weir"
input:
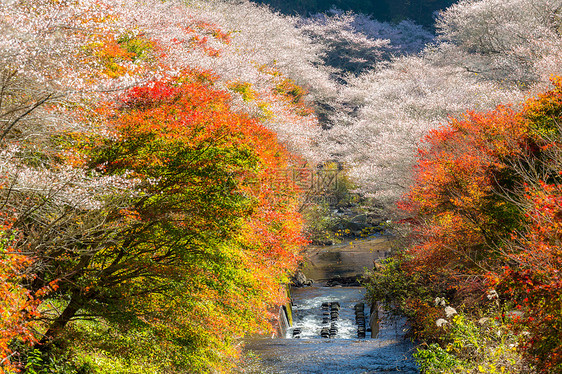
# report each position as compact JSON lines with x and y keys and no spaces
{"x":283,"y":322}
{"x":334,"y":329}
{"x":284,"y":316}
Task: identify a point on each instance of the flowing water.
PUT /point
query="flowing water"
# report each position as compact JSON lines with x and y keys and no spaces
{"x":305,"y":351}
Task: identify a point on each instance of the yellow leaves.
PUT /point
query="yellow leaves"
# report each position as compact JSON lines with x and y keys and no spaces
{"x":269,"y":70}
{"x":136,"y":45}
{"x":109,"y":54}
{"x":118,"y":56}
{"x":244,"y":89}
{"x":266,"y":112}
{"x":294,"y":94}
{"x":490,"y":368}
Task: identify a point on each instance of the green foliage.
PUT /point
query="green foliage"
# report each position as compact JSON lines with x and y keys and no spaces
{"x":434,"y":359}
{"x":543,"y":112}
{"x":394,"y":287}
{"x":244,"y":89}
{"x":320,"y":223}
{"x":53,"y":361}
{"x":138,"y":46}
{"x":323,"y":224}
{"x":290,"y":90}
{"x":488,"y":345}
{"x":343,"y":194}
{"x":107,"y":349}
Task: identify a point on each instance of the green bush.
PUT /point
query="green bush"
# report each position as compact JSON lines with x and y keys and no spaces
{"x":396,"y":288}
{"x":487,"y":345}
{"x":52,"y":361}
{"x":435,"y":359}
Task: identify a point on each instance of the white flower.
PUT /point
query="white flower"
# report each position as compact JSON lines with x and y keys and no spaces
{"x":449,"y":311}
{"x":440,"y":301}
{"x":492,"y":294}
{"x":441,"y":322}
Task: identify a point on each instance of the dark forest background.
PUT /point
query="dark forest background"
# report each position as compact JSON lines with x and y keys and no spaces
{"x":421,"y":11}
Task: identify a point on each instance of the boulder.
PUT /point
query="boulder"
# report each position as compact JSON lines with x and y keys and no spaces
{"x":353,"y":281}
{"x":360,"y":219}
{"x":300,"y":280}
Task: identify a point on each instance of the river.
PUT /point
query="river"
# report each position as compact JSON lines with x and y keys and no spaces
{"x":343,"y":352}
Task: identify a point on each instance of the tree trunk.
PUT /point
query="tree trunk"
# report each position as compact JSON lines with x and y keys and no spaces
{"x":61,"y":321}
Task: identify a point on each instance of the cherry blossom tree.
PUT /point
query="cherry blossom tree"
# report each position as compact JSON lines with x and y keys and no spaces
{"x":483,"y":57}
{"x":393,"y":109}
{"x":512,"y":40}
{"x":355,"y":43}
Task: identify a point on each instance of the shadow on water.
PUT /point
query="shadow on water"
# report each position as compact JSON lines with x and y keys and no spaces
{"x":347,"y":259}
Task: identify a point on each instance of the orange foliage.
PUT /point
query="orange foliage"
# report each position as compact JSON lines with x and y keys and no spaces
{"x":16,"y":304}
{"x":487,"y":212}
{"x":536,"y":282}
{"x":454,"y":200}
{"x":179,"y":136}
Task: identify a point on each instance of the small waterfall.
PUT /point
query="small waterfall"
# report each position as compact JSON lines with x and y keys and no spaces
{"x":310,"y":318}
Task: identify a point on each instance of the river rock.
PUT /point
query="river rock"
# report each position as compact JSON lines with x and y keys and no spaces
{"x":353,"y":281}
{"x":300,"y":280}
